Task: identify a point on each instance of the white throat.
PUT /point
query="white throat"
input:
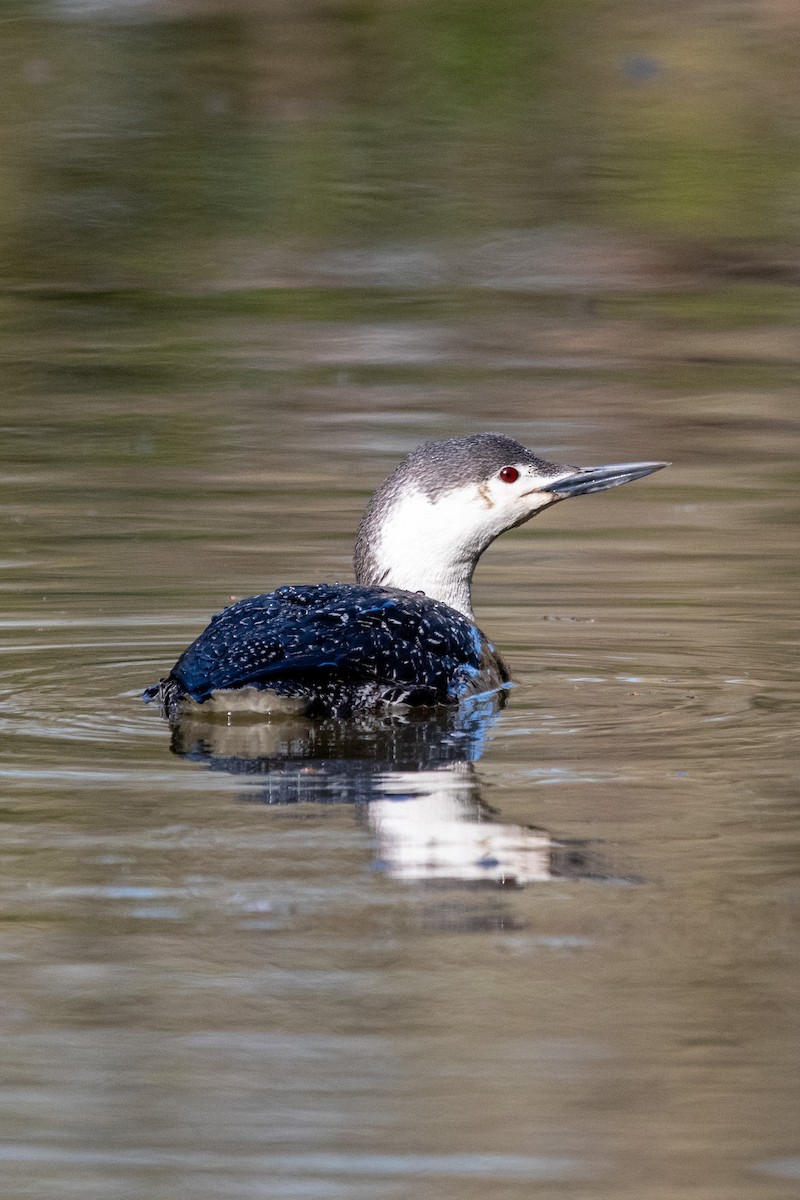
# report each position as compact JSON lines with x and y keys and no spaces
{"x":432,"y":545}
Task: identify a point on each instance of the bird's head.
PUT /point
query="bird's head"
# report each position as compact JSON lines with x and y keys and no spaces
{"x":429,"y":522}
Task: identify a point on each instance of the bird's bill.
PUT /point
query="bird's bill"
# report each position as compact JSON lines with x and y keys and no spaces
{"x":597,"y":479}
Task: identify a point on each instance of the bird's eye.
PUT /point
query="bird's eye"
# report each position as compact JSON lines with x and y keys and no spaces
{"x":509,"y":474}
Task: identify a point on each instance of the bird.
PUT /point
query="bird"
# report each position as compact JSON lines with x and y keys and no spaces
{"x":404,"y":635}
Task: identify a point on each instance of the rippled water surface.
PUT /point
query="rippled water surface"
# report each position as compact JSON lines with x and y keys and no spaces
{"x":548,"y":950}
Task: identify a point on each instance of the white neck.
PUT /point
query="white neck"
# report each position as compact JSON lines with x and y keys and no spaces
{"x":432,"y":546}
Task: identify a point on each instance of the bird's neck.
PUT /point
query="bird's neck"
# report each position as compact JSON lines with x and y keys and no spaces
{"x":422,"y":545}
{"x":440,"y":582}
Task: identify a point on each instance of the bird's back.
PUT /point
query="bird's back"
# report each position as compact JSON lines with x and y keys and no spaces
{"x":332,"y":650}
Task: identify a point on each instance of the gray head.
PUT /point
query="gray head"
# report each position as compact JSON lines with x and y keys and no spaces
{"x":429,"y":522}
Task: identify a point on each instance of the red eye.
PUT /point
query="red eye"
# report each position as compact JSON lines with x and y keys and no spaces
{"x":509,"y":474}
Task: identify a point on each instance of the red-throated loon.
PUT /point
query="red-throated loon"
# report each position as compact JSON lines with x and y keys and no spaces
{"x":404,"y":633}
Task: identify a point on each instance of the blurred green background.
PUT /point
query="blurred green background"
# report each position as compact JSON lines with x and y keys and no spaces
{"x":194,"y":144}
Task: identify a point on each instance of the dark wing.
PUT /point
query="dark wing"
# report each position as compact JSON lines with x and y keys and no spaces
{"x":339,"y":634}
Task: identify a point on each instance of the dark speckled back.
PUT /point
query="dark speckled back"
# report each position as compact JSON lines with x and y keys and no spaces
{"x":342,"y":647}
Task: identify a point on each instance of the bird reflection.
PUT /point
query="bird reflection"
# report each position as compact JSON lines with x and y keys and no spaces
{"x":412,"y":779}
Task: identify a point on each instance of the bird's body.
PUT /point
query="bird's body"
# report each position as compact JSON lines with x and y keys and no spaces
{"x":404,"y":633}
{"x":332,"y":650}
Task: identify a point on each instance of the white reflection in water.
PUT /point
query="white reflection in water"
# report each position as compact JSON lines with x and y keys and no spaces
{"x":430,"y":826}
{"x":494,"y":1166}
{"x":411,"y":779}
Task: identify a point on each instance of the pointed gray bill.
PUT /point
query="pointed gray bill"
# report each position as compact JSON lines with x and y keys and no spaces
{"x":597,"y":479}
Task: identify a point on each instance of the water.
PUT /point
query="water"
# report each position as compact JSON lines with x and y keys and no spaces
{"x":548,"y":949}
